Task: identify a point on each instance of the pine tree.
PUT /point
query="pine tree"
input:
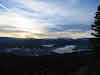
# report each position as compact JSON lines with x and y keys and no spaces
{"x":96,"y":25}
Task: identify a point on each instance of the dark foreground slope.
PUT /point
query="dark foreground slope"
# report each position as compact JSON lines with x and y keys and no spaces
{"x":65,"y":64}
{"x":83,"y":63}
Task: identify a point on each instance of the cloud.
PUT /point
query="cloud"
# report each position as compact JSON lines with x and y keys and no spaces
{"x":58,"y":13}
{"x":20,"y":22}
{"x":9,"y":29}
{"x":74,"y":28}
{"x":45,"y":18}
{"x":68,"y":34}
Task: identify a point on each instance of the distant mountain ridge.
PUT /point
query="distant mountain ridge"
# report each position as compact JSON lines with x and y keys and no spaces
{"x":46,"y":38}
{"x":32,"y":42}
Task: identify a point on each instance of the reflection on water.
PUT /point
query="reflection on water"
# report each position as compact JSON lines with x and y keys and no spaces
{"x":79,"y":47}
{"x":26,"y":51}
{"x":66,"y":49}
{"x":41,"y":52}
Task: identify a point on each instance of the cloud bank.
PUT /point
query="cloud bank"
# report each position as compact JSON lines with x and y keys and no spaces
{"x":45,"y":18}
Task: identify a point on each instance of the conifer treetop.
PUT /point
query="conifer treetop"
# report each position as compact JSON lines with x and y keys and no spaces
{"x":99,"y":8}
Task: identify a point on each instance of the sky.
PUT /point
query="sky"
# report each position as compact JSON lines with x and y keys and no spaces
{"x":47,"y":18}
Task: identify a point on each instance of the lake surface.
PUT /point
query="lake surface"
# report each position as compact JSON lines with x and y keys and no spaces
{"x":40,"y":52}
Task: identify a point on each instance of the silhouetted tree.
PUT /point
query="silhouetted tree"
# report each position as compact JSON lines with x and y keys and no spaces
{"x":96,"y":25}
{"x":95,"y":42}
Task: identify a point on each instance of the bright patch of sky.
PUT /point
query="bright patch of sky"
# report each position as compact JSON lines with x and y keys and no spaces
{"x":47,"y":18}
